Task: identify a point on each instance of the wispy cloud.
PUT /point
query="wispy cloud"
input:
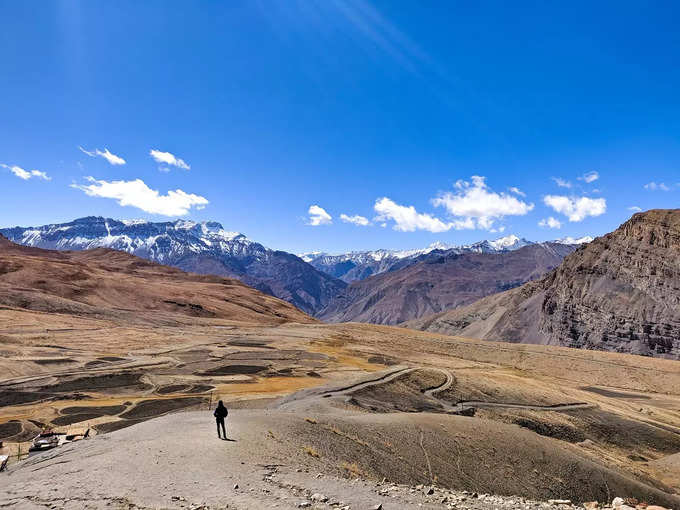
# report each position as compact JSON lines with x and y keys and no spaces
{"x":318,"y":216}
{"x":137,"y":194}
{"x":167,"y":158}
{"x":475,"y":205}
{"x":406,"y":218}
{"x":26,"y":174}
{"x":635,"y":208}
{"x":576,"y":208}
{"x":108,"y":156}
{"x":657,"y":186}
{"x":356,"y":220}
{"x":589,"y":177}
{"x":383,"y":34}
{"x":550,"y":222}
{"x":562,"y":183}
{"x":517,"y":191}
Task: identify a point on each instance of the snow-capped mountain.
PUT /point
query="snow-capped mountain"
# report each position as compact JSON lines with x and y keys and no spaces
{"x":572,"y":240}
{"x":358,"y":265}
{"x":205,"y":248}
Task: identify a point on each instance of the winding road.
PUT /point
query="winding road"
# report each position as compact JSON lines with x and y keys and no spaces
{"x":459,"y":407}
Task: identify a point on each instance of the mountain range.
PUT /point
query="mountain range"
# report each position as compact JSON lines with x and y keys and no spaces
{"x":204,"y":248}
{"x":358,"y":265}
{"x":104,"y":284}
{"x":439,"y":280}
{"x":315,"y":283}
{"x":620,"y":292}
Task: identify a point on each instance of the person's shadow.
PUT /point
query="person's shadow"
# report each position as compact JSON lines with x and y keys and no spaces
{"x":228,"y":439}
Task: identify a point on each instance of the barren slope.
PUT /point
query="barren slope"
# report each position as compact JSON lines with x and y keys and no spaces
{"x":441,"y":282}
{"x":104,"y":283}
{"x":620,"y":293}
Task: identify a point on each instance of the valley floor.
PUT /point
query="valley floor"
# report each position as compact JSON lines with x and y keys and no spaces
{"x":327,"y":409}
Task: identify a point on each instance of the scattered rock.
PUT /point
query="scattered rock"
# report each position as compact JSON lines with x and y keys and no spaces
{"x":430,"y":491}
{"x":559,"y":501}
{"x":304,"y":504}
{"x":319,"y":497}
{"x":235,"y":486}
{"x":377,"y":507}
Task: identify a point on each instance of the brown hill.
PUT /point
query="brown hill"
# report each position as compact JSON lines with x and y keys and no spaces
{"x":619,"y":293}
{"x":104,"y":283}
{"x":441,"y":282}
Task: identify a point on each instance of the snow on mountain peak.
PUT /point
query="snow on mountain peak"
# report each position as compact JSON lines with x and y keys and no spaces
{"x":572,"y":240}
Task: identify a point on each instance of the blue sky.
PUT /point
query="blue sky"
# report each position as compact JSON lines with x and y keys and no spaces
{"x":430,"y":121}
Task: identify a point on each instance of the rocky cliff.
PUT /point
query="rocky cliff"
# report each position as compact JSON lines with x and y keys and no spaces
{"x":620,"y":293}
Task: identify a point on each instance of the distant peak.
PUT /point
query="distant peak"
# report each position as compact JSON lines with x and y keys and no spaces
{"x":574,"y":240}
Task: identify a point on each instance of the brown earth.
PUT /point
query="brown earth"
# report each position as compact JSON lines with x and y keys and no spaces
{"x":439,"y":283}
{"x":346,"y":401}
{"x":620,"y":293}
{"x":107,"y":284}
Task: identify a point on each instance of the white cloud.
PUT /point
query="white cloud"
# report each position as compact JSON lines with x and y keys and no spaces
{"x":137,"y":194}
{"x":562,"y":183}
{"x":318,"y":216}
{"x":657,"y":186}
{"x":475,"y":205}
{"x":356,"y":220}
{"x":635,"y":208}
{"x":26,"y":174}
{"x":108,"y":156}
{"x":406,"y":218}
{"x":589,"y":177}
{"x":517,"y":191}
{"x":576,"y":208}
{"x":550,"y":222}
{"x":168,"y":159}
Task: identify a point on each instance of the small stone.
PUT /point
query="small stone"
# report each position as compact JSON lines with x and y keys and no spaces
{"x":377,"y":507}
{"x":559,"y":501}
{"x":319,"y":497}
{"x":616,"y":502}
{"x":304,"y":504}
{"x":235,"y":486}
{"x":430,"y":491}
{"x":591,"y":505}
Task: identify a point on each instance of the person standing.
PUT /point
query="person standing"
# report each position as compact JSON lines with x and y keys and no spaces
{"x":220,"y":414}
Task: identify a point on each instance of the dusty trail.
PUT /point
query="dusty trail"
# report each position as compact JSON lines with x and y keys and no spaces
{"x":447,"y":384}
{"x":390,"y":376}
{"x":457,"y":408}
{"x":461,"y":406}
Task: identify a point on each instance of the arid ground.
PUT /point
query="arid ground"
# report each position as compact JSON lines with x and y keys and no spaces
{"x":345,"y":401}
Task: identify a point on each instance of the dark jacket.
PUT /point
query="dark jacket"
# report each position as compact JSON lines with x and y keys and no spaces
{"x":220,"y":412}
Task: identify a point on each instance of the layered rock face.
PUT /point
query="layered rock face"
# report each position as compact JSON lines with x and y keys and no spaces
{"x":620,"y":293}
